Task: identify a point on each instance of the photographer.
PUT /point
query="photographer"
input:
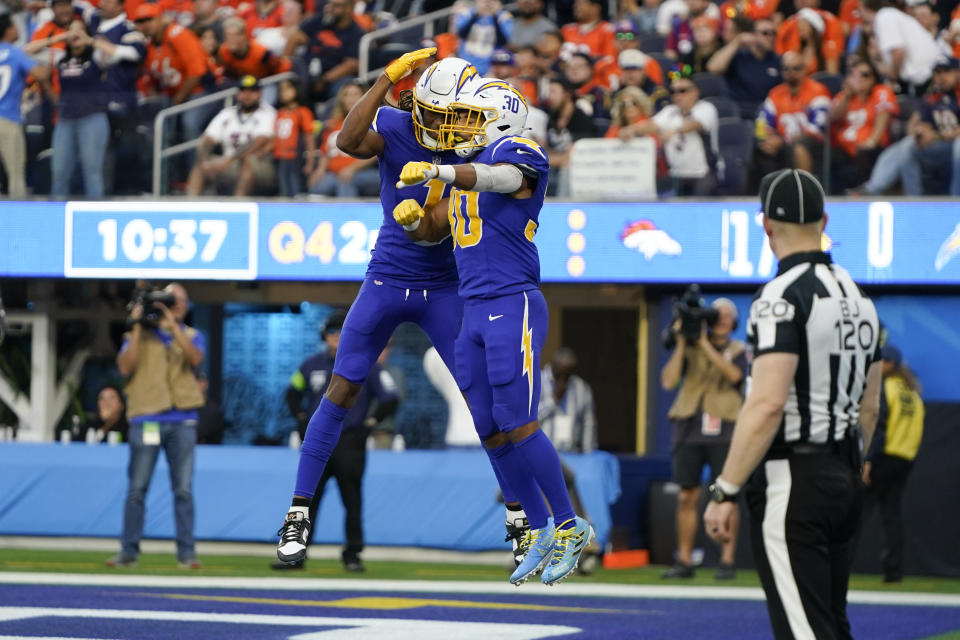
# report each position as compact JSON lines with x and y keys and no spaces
{"x":159,"y":357}
{"x":709,"y":366}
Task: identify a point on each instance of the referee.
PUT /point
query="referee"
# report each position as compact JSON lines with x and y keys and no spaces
{"x":814,"y":378}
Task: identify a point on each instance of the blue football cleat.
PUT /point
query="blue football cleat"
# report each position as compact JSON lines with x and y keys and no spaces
{"x":538,"y":543}
{"x":568,"y":544}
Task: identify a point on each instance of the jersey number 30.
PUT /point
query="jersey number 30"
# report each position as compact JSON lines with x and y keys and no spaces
{"x":466,"y":227}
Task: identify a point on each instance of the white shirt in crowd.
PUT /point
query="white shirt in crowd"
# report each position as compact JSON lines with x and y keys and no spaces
{"x":685,"y":152}
{"x":894,"y":29}
{"x":234,"y":130}
{"x":571,"y":424}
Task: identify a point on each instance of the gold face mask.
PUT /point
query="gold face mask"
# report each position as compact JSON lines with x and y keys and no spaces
{"x":464,"y":127}
{"x":427,"y":122}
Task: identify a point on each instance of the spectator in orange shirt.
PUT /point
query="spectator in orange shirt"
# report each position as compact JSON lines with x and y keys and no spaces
{"x":814,"y":33}
{"x":294,"y":132}
{"x":591,"y":30}
{"x":213,"y":78}
{"x":503,"y":66}
{"x":408,"y":82}
{"x":262,"y":14}
{"x":338,"y":174}
{"x":863,"y":111}
{"x":849,"y":15}
{"x":631,"y":107}
{"x":176,"y":63}
{"x":792,"y":122}
{"x":63,"y":17}
{"x":526,"y":74}
{"x":242,"y":56}
{"x":628,"y":39}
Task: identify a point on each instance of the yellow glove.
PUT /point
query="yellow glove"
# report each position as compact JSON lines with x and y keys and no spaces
{"x":408,"y":214}
{"x":406,"y":63}
{"x":414,"y":173}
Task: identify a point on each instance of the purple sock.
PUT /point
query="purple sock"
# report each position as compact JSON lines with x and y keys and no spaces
{"x":508,"y":494}
{"x":322,"y":435}
{"x":516,"y":472}
{"x":542,"y":460}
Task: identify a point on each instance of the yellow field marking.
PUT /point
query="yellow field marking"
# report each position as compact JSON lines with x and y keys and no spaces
{"x":383,"y":603}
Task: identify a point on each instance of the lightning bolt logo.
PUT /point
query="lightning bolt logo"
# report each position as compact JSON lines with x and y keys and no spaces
{"x":526,"y":348}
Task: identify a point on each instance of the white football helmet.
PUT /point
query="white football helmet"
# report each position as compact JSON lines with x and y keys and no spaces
{"x":492,"y":110}
{"x":439,"y":85}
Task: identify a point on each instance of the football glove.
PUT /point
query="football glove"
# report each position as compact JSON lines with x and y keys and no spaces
{"x":414,"y":173}
{"x":402,"y":66}
{"x":408,"y":214}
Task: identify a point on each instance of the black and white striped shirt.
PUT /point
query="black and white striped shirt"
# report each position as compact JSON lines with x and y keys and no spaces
{"x":815,"y":310}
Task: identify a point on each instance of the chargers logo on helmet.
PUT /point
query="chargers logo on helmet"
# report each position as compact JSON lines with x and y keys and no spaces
{"x":645,"y":237}
{"x":441,"y":84}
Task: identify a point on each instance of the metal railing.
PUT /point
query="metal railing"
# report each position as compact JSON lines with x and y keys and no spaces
{"x":365,"y":73}
{"x":160,"y":153}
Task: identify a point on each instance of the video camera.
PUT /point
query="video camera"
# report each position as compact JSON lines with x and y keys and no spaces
{"x":149,"y":298}
{"x":692,"y":312}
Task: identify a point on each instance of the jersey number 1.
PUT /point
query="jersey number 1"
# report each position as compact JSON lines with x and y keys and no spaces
{"x":464,"y":215}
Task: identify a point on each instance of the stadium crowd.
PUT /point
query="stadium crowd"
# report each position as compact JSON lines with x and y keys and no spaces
{"x":863,"y":93}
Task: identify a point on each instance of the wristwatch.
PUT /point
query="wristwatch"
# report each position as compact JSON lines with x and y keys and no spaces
{"x":719,"y":495}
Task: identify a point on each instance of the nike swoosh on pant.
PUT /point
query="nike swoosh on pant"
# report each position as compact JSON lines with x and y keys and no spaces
{"x":492,"y":317}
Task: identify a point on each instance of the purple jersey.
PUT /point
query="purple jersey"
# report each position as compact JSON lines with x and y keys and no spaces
{"x":494,"y":231}
{"x":396,"y":260}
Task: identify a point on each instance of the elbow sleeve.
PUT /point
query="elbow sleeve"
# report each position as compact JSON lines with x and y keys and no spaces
{"x":504,"y":178}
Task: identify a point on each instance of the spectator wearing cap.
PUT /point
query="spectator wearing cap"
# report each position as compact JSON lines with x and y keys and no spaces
{"x":932,"y":143}
{"x":633,"y":73}
{"x":592,"y":31}
{"x":862,"y":112}
{"x":628,"y":39}
{"x":176,"y":63}
{"x":567,"y":123}
{"x":749,"y":64}
{"x":907,"y":50}
{"x":482,"y":28}
{"x":687,"y":131}
{"x":242,"y":56}
{"x":332,"y":42}
{"x":16,"y":65}
{"x":593,"y":98}
{"x":892,"y":451}
{"x":631,"y":107}
{"x":529,"y":24}
{"x":643,"y":15}
{"x":82,"y":130}
{"x":793,"y":122}
{"x":122,"y":50}
{"x":245,"y":134}
{"x":816,"y":34}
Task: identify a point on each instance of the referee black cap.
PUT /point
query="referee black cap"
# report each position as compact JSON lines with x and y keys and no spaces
{"x":791,"y":195}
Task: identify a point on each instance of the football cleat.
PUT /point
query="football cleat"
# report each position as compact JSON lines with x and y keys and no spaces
{"x":516,"y":535}
{"x":567,"y":547}
{"x":538,"y":543}
{"x":293,"y":537}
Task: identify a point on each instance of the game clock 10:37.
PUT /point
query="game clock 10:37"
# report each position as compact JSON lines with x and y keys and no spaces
{"x":189,"y":240}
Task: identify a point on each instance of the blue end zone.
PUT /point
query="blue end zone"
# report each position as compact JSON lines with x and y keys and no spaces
{"x":215,"y":614}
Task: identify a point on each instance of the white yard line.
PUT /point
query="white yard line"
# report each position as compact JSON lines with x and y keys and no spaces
{"x":566,"y":589}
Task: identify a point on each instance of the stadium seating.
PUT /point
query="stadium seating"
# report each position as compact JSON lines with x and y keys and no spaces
{"x":651,"y":43}
{"x":832,"y":81}
{"x":735,"y":137}
{"x":726,"y":107}
{"x":711,"y":84}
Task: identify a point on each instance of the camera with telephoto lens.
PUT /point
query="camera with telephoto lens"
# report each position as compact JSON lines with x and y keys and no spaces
{"x":692,"y":312}
{"x":149,"y":299}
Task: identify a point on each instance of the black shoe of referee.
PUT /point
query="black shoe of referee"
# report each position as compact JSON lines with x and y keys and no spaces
{"x":679,"y":570}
